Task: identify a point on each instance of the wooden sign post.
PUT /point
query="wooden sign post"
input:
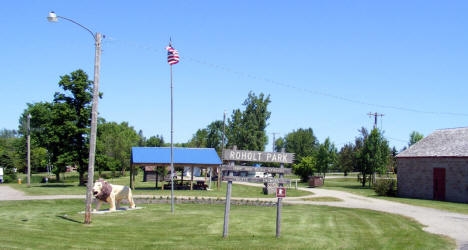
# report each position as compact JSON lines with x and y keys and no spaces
{"x":227,"y":206}
{"x":278,"y":204}
{"x":254,"y":156}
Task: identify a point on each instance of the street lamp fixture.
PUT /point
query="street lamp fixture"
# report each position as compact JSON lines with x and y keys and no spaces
{"x":52,"y":17}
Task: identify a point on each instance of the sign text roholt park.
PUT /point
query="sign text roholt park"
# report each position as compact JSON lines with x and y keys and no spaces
{"x":234,"y":155}
{"x":257,"y":156}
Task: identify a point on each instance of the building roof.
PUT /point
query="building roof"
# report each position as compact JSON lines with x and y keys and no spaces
{"x":441,"y":143}
{"x":161,"y":156}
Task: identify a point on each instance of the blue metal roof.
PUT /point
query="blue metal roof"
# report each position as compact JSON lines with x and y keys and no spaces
{"x":189,"y":156}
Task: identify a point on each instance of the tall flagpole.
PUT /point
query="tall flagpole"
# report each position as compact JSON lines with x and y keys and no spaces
{"x":172,"y":148}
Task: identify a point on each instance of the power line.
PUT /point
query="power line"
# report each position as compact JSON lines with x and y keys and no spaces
{"x":287,"y":85}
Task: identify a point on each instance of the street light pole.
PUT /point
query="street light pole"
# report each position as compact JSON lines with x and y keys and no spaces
{"x":28,"y":141}
{"x":94,"y":113}
{"x":92,"y":140}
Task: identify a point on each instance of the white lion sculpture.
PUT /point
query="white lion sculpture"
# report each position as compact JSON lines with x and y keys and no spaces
{"x":112,"y":194}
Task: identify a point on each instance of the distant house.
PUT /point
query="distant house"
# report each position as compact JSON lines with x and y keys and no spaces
{"x":436,"y":167}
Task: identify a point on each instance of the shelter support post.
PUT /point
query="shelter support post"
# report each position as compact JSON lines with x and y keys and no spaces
{"x":220,"y":177}
{"x":191,"y":178}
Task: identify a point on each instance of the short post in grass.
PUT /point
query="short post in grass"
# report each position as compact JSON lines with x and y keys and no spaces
{"x":228,"y":199}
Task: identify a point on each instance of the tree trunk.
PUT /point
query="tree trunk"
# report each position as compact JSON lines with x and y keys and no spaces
{"x":363,"y":179}
{"x":57,"y":177}
{"x":82,"y":179}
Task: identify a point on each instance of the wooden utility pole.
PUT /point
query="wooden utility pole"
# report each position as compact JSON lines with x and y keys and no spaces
{"x":92,"y":140}
{"x":220,"y":172}
{"x":274,"y":140}
{"x":375,"y":115}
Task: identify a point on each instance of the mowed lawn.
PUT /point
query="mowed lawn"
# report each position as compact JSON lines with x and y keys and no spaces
{"x":56,"y":224}
{"x":71,"y":187}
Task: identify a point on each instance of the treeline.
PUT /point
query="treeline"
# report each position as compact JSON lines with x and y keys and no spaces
{"x":60,"y":132}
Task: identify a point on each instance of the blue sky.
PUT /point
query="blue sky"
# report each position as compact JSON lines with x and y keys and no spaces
{"x":326,"y":64}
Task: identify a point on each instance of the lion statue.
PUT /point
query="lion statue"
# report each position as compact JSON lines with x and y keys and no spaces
{"x":112,"y":194}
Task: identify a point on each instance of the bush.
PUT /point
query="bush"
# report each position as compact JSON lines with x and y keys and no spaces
{"x":305,"y":168}
{"x":385,"y":187}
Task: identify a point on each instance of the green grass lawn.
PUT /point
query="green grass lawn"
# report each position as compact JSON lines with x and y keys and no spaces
{"x":352,"y":186}
{"x":56,"y":224}
{"x":147,"y":188}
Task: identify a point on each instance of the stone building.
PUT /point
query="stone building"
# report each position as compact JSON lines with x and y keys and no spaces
{"x":436,"y":167}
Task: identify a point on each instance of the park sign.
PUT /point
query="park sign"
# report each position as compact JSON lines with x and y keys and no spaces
{"x":257,"y":156}
{"x":233,"y":155}
{"x":257,"y":180}
{"x":256,"y":169}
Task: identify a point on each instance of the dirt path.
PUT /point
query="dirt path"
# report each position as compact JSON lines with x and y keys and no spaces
{"x":436,"y":221}
{"x":10,"y":194}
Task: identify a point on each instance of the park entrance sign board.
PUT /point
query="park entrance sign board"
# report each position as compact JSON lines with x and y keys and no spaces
{"x":256,"y":180}
{"x":234,"y":155}
{"x":257,"y":156}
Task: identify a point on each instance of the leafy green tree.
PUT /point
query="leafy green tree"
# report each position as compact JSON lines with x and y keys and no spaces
{"x":325,"y":157}
{"x":415,"y":137}
{"x":305,"y":168}
{"x":76,"y":99}
{"x":346,"y":158}
{"x":373,"y":156}
{"x":39,"y":159}
{"x":8,"y":139}
{"x":215,"y":136}
{"x":358,"y":144}
{"x":114,"y":144}
{"x":279,"y":144}
{"x":392,"y":161}
{"x":155,"y":141}
{"x":199,"y":139}
{"x":302,"y":142}
{"x":246,"y":129}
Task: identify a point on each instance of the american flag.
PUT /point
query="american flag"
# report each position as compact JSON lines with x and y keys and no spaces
{"x":172,"y":55}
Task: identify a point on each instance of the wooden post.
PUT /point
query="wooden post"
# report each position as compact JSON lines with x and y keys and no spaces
{"x":191,"y":178}
{"x":157,"y":176}
{"x":228,"y":201}
{"x":220,"y":177}
{"x":131,"y":177}
{"x":211,"y":175}
{"x":279,"y":205}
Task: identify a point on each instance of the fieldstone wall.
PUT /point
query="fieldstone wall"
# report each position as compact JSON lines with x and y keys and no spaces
{"x":415,"y":178}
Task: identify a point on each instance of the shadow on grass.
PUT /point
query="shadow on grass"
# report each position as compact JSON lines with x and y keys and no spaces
{"x":69,"y":219}
{"x":147,"y":188}
{"x":56,"y":185}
